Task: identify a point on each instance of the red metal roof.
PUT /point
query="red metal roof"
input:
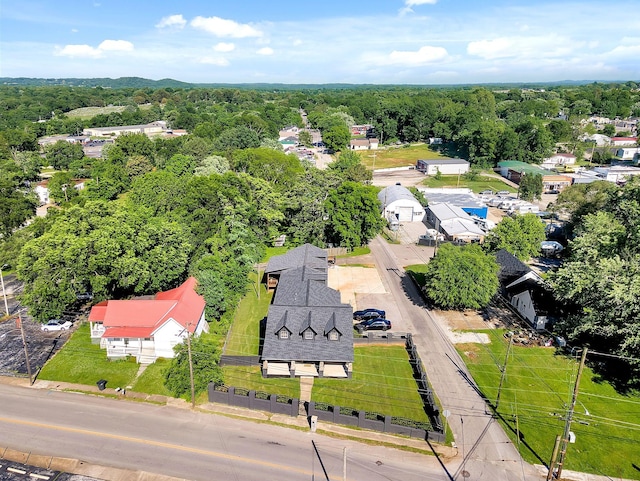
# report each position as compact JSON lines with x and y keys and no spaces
{"x":141,"y":317}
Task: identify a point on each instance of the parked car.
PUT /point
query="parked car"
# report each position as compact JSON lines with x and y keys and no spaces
{"x":367,"y":314}
{"x":432,"y":234}
{"x":486,"y":192}
{"x":56,"y":325}
{"x":84,"y":296}
{"x":374,"y":325}
{"x":503,"y":193}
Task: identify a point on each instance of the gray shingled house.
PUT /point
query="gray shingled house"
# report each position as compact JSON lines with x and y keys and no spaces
{"x":309,"y":331}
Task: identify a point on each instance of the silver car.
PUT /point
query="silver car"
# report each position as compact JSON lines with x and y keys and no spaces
{"x":56,"y":325}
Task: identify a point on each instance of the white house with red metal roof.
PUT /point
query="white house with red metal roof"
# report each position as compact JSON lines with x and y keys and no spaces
{"x":624,"y":141}
{"x":149,"y":328}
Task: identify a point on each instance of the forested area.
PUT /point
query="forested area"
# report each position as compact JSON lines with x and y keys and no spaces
{"x":208,"y":203}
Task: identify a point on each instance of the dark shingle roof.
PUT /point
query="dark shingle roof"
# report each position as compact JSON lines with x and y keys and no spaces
{"x":511,"y":268}
{"x":321,"y":320}
{"x":306,"y":255}
{"x":295,"y":291}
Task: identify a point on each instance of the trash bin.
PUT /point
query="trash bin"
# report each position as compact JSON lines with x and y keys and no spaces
{"x":314,"y":423}
{"x":102,"y":383}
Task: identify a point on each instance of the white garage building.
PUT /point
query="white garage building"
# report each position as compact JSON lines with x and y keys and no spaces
{"x":444,"y":166}
{"x":398,"y":203}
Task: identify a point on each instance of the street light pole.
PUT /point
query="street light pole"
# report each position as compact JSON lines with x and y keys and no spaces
{"x":4,"y":293}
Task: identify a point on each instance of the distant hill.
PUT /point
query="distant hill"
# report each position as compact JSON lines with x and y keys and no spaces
{"x":119,"y":83}
{"x":139,"y":82}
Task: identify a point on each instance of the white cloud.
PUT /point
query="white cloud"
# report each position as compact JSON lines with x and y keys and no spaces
{"x":87,"y":51}
{"x":297,"y":42}
{"x":221,"y":27}
{"x":265,"y":51}
{"x":115,"y":46}
{"x":424,"y":55}
{"x":409,"y":4}
{"x":172,"y":21}
{"x":74,"y":30}
{"x":84,"y":51}
{"x":219,"y":61}
{"x":625,"y":51}
{"x":224,"y":47}
{"x":522,"y":47}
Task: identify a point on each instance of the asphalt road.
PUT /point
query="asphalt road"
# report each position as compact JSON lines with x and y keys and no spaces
{"x":187,"y":444}
{"x":486,"y":451}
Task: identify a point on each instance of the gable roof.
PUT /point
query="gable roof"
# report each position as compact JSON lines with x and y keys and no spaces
{"x":511,"y":268}
{"x":142,"y":317}
{"x":306,"y":255}
{"x":321,"y":320}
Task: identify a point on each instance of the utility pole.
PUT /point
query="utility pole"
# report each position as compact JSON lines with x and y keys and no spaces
{"x":504,"y":372}
{"x":567,"y":425}
{"x":193,"y":389}
{"x":26,"y":351}
{"x":4,"y":293}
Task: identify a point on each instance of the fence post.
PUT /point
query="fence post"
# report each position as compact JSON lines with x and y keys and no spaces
{"x":252,"y":397}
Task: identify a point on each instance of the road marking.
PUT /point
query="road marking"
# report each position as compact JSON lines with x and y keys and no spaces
{"x":39,"y":476}
{"x":15,"y":470}
{"x":159,"y":444}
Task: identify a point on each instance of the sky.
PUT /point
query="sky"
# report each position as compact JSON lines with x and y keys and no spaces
{"x":423,"y":42}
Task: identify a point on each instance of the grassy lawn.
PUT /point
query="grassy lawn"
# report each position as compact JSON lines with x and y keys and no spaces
{"x":382,"y":382}
{"x":478,"y":185}
{"x":417,"y":271}
{"x":397,"y":156}
{"x":85,"y":363}
{"x":152,"y":379}
{"x":357,"y":251}
{"x":250,"y":377}
{"x":536,"y":391}
{"x":90,"y":112}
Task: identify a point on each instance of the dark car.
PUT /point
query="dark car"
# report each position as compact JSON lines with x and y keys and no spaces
{"x":368,"y":314}
{"x":374,"y":325}
{"x":84,"y":296}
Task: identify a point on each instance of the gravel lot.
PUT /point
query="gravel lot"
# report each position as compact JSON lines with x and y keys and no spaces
{"x":40,"y":345}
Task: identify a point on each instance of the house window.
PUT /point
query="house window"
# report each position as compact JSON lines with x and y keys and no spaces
{"x":284,"y":334}
{"x":308,"y":334}
{"x":147,"y":339}
{"x":333,"y":336}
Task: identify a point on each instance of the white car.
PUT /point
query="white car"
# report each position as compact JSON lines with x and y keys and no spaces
{"x":56,"y":325}
{"x":432,"y":235}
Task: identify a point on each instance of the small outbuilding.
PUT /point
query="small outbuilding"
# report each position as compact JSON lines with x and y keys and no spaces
{"x":444,"y":166}
{"x":398,"y":203}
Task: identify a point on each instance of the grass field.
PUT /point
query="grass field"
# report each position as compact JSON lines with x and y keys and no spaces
{"x":397,"y":156}
{"x":244,"y":338}
{"x":85,"y":113}
{"x":151,"y":381}
{"x":535,"y":394}
{"x":382,"y":382}
{"x":85,"y":363}
{"x":480,"y":184}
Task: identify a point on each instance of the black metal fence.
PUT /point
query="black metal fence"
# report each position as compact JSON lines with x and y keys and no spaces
{"x":424,"y":389}
{"x":250,"y":399}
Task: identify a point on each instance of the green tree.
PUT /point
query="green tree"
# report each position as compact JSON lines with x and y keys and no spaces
{"x":353,"y":215}
{"x":62,"y":153}
{"x":336,"y":137}
{"x":305,"y":138}
{"x":213,"y":164}
{"x":609,"y":130}
{"x":530,"y":187}
{"x":461,"y":277}
{"x":16,"y":206}
{"x":138,"y":165}
{"x":520,"y":235}
{"x":113,"y":252}
{"x":349,"y":165}
{"x":61,"y":187}
{"x":205,"y":357}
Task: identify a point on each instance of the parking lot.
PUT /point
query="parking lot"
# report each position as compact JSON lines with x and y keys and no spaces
{"x":40,"y":346}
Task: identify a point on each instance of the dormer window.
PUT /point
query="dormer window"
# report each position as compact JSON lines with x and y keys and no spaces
{"x":283,"y":334}
{"x":333,"y":335}
{"x":308,"y":334}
